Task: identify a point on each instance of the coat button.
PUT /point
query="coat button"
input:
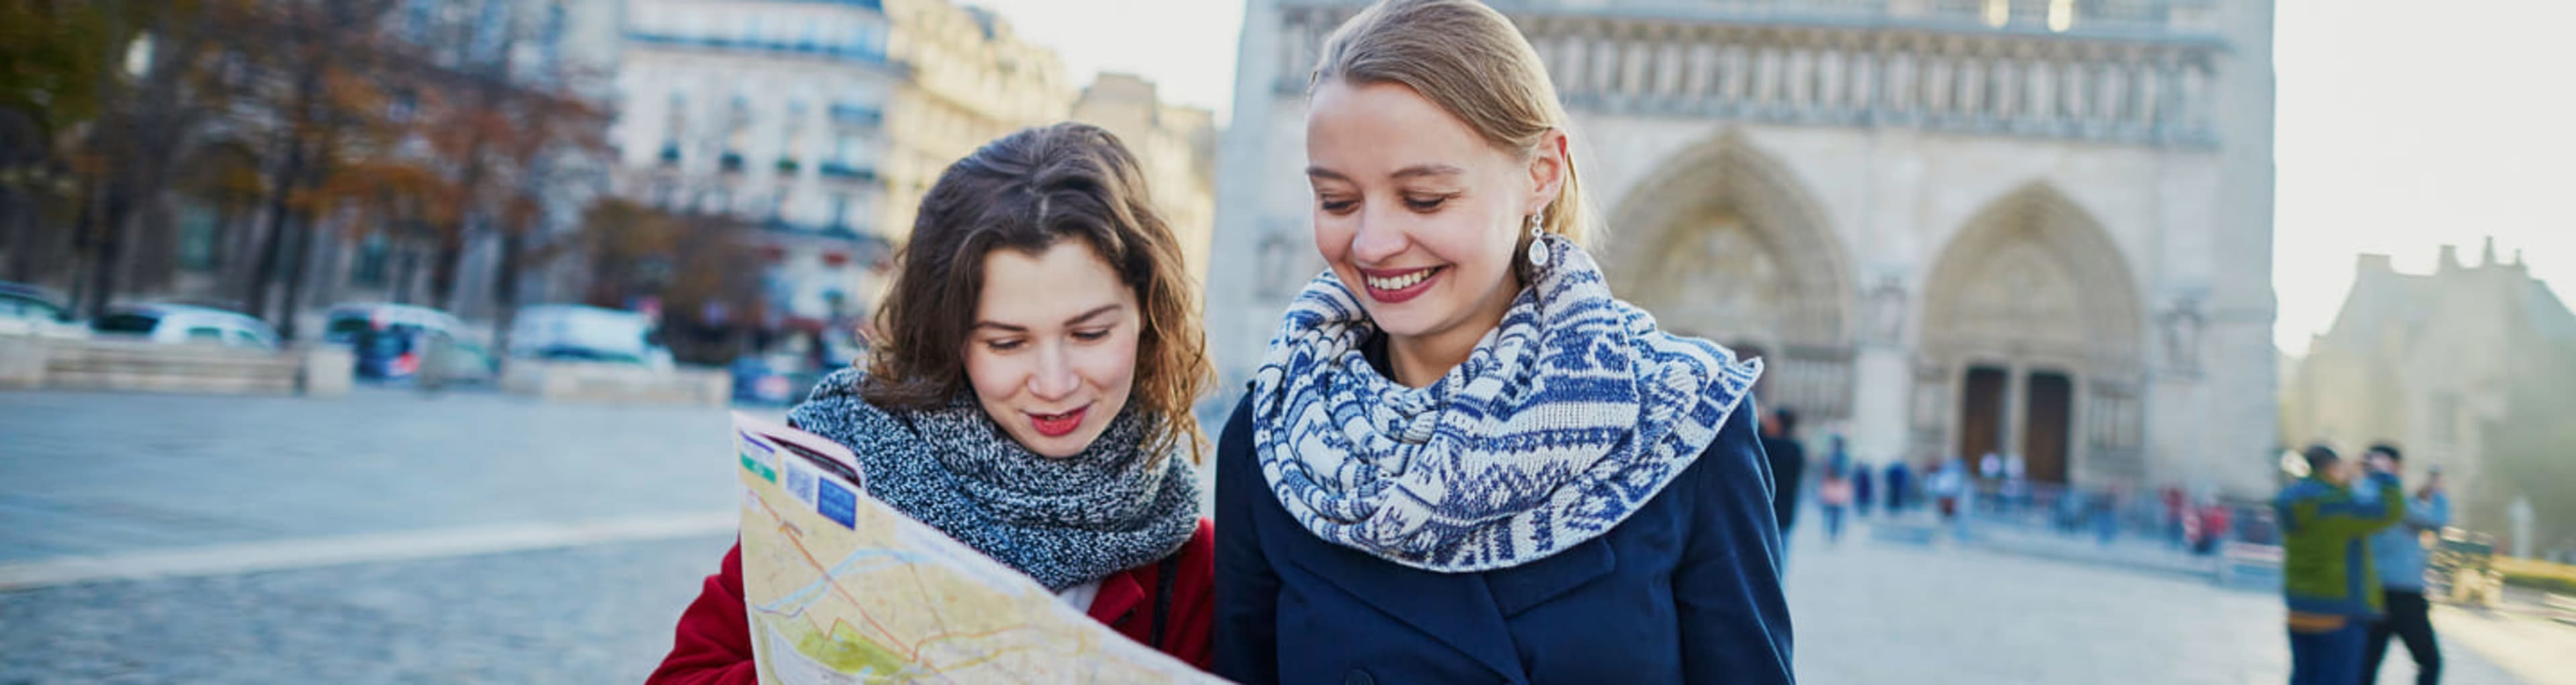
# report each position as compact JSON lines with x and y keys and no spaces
{"x":1358,"y":677}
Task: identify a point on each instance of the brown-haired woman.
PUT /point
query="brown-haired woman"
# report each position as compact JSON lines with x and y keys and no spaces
{"x":1030,"y":397}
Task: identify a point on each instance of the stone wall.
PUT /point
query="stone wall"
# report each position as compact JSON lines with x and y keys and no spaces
{"x":1844,"y":153}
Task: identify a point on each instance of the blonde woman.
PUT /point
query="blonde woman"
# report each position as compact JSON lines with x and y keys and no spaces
{"x":1462,"y":459}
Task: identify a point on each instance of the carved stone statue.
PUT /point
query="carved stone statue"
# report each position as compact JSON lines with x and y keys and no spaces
{"x":1885,"y":311}
{"x":2182,"y":336}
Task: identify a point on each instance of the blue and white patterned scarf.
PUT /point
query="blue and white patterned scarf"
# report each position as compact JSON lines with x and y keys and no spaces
{"x":1564,"y":420}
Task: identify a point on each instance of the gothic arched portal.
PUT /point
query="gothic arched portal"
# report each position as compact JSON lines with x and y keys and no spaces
{"x":2031,"y":344}
{"x":1721,"y":242}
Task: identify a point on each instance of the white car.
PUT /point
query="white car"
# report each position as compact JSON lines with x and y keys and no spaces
{"x":176,"y":323}
{"x":29,"y":310}
{"x":583,"y":333}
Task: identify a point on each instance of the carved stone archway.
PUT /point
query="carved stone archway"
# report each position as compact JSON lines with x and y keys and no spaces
{"x":1722,"y":242}
{"x":2031,"y":344}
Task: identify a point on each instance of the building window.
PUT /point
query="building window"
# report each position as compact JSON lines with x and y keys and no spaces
{"x":370,"y":269}
{"x":675,"y":127}
{"x":840,"y":211}
{"x":791,"y":139}
{"x":200,"y":231}
{"x":737,"y":135}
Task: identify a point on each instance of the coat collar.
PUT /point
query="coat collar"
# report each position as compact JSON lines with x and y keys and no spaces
{"x":1121,"y":593}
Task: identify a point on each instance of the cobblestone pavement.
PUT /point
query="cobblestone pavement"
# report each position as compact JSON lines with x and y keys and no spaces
{"x":600,"y":614}
{"x":1865,"y":613}
{"x":95,"y":473}
{"x":1873,"y":612}
{"x":174,"y":472}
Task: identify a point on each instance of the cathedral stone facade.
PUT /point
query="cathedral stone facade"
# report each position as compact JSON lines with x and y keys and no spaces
{"x":1949,"y":227}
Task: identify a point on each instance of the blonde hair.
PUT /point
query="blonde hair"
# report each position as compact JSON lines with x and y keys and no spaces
{"x":1471,"y":62}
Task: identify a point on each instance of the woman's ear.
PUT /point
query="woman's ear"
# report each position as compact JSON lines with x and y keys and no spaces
{"x":1547,"y":167}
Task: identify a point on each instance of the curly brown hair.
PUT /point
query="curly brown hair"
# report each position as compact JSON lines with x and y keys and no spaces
{"x":1026,"y":191}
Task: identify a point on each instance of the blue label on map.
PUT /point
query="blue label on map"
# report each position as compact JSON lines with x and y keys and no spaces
{"x":800,"y":482}
{"x":836,"y":503}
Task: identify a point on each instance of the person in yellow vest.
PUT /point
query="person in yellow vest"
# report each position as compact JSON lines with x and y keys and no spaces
{"x":2327,"y":576}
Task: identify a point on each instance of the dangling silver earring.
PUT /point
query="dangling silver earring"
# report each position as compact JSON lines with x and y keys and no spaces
{"x":1538,"y":247}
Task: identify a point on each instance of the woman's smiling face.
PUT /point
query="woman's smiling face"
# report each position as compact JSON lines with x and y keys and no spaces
{"x":1052,"y":355}
{"x":1413,"y":210}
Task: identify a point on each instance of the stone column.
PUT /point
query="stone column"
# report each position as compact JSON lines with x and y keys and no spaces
{"x":1599,"y":60}
{"x":1883,"y":383}
{"x":1572,"y":57}
{"x":2016,"y":414}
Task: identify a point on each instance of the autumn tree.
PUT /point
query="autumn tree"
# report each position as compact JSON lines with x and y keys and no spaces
{"x":516,"y":141}
{"x":687,"y":261}
{"x":107,"y":101}
{"x":328,"y":73}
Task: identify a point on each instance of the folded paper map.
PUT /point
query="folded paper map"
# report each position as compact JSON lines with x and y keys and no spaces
{"x":842,"y":588}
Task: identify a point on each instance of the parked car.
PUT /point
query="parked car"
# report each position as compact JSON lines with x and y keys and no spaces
{"x":757,"y":380}
{"x":388,"y":340}
{"x":430,"y":358}
{"x":343,"y":322}
{"x":179,"y":323}
{"x":586,"y":333}
{"x":465,"y":362}
{"x":31,"y":310}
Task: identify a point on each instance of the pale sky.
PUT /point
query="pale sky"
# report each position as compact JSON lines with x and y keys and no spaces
{"x":2402,"y":124}
{"x":1186,"y":47}
{"x":2406,"y":124}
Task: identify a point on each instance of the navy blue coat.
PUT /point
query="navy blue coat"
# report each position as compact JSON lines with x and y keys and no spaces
{"x":1687,"y":589}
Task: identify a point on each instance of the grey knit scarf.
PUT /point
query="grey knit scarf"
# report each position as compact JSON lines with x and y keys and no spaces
{"x":1064,"y":522}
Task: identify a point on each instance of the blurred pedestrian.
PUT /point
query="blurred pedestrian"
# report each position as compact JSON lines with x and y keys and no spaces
{"x":2216,"y":527}
{"x":1952,"y":485}
{"x":1900,"y":484}
{"x":1047,"y":332}
{"x":2016,"y":482}
{"x":1948,"y":482}
{"x":2326,"y":568}
{"x":2398,"y":551}
{"x":1788,"y":466}
{"x":1837,"y":455}
{"x":2106,"y":515}
{"x":1861,"y":494}
{"x":2175,"y":506}
{"x":1835,"y":494}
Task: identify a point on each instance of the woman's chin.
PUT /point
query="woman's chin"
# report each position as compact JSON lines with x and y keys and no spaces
{"x":1059,"y":447}
{"x":1404,"y":320}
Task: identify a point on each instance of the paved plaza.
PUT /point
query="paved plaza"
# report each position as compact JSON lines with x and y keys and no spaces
{"x":110,"y":479}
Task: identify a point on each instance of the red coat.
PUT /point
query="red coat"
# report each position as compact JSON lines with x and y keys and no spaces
{"x":714,"y":642}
